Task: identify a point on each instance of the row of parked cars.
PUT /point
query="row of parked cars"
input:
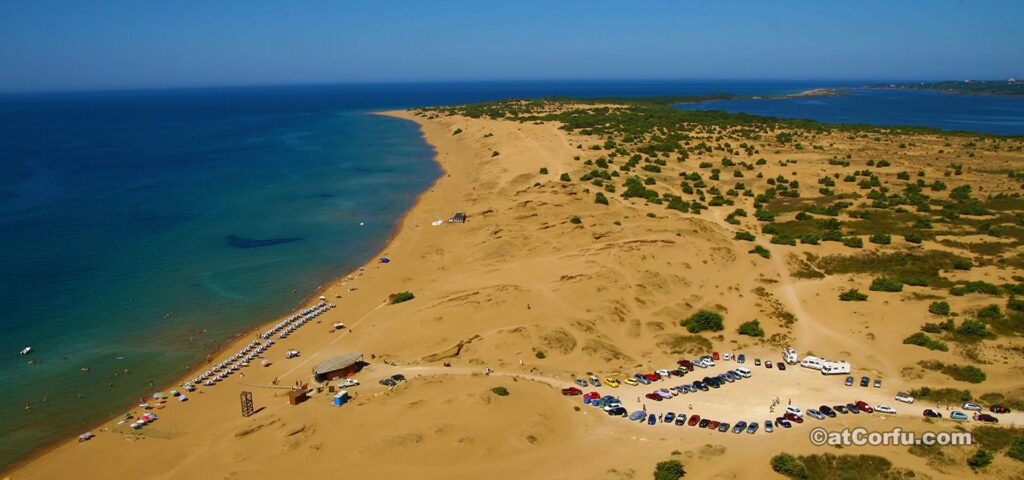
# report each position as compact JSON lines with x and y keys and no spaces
{"x":864,"y":382}
{"x":703,"y":384}
{"x":974,"y":407}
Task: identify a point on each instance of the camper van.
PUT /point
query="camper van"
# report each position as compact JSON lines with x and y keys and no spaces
{"x":835,"y":368}
{"x":789,"y":355}
{"x":812,"y":362}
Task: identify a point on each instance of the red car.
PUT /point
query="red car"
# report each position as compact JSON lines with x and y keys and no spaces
{"x":592,"y":395}
{"x":654,"y":396}
{"x":715,"y":356}
{"x":864,"y":407}
{"x":793,"y":418}
{"x":686,"y":363}
{"x":572,"y":391}
{"x":714,"y":424}
{"x":694,"y":420}
{"x":984,"y":417}
{"x":654,"y":377}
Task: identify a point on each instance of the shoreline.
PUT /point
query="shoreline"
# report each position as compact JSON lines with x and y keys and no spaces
{"x":233,"y":342}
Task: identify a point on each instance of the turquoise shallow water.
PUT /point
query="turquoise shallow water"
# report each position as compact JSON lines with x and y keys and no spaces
{"x":139,"y":230}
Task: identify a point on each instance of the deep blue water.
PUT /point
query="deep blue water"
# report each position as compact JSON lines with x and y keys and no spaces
{"x":142,"y":228}
{"x":989,"y":114}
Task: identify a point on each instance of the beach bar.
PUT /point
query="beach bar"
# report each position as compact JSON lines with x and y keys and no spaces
{"x":337,"y":367}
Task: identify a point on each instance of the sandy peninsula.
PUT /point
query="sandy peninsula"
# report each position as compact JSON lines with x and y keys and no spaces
{"x":544,"y":285}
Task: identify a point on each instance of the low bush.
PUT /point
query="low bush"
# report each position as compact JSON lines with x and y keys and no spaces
{"x":886,"y":284}
{"x":500,"y":391}
{"x":852,"y":295}
{"x":922,"y":339}
{"x":751,"y":328}
{"x":400,"y":297}
{"x":761,"y":251}
{"x":939,"y":308}
{"x":669,"y":470}
{"x":703,"y":320}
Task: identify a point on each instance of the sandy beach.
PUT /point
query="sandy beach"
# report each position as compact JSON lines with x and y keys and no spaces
{"x":527,"y":291}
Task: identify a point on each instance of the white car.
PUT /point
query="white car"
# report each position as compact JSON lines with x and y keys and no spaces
{"x":743,"y":372}
{"x":726,"y":356}
{"x":972,"y":406}
{"x":794,"y":411}
{"x":349,"y":382}
{"x":885,"y":409}
{"x":904,"y":397}
{"x":662,"y":372}
{"x":291,"y":354}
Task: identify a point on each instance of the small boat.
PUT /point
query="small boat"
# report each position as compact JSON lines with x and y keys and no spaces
{"x":26,"y":350}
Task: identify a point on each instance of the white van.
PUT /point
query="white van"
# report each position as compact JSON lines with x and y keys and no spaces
{"x":743,"y":372}
{"x":835,"y":368}
{"x":812,"y":362}
{"x":789,"y":355}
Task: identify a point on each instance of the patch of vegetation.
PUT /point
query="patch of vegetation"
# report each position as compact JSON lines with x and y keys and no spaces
{"x":400,"y":297}
{"x":599,"y":198}
{"x":922,"y":339}
{"x":994,"y":438}
{"x":907,"y":267}
{"x":500,"y":391}
{"x":761,"y":251}
{"x":886,"y":284}
{"x":684,"y":344}
{"x":746,"y":236}
{"x":669,"y":470}
{"x":575,"y":220}
{"x":963,"y":373}
{"x":942,"y":395}
{"x":703,"y":320}
{"x":853,"y":295}
{"x":751,"y":328}
{"x":939,"y":308}
{"x":540,"y":354}
{"x":827,"y":466}
{"x":981,"y":459}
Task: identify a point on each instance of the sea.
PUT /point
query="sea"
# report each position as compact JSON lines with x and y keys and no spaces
{"x":141,"y":229}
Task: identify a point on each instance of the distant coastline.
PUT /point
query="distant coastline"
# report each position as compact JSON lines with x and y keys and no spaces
{"x":999,"y":88}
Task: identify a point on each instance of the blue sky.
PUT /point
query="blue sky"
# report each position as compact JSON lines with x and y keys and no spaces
{"x":105,"y":44}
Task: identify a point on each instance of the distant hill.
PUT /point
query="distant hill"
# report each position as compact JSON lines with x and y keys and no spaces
{"x":1005,"y":88}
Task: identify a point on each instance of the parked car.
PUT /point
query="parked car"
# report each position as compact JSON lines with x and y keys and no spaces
{"x":904,"y":397}
{"x":864,"y":381}
{"x":387,"y":382}
{"x":595,"y":381}
{"x":581,"y":382}
{"x":864,"y":407}
{"x":757,"y":362}
{"x":700,"y":385}
{"x":827,"y":410}
{"x":715,"y":356}
{"x":931,"y":413}
{"x":782,"y":366}
{"x":849,"y":381}
{"x":885,"y":409}
{"x":743,"y":372}
{"x":793,"y":418}
{"x":741,"y":358}
{"x":728,"y":377}
{"x":703,"y":423}
{"x":957,"y":415}
{"x":767,"y":364}
{"x":694,"y":419}
{"x":998,"y":409}
{"x":984,"y":417}
{"x":664,"y":393}
{"x":669,"y":417}
{"x":852,"y":408}
{"x":651,"y":419}
{"x":724,"y":427}
{"x":611,"y":382}
{"x":681,"y":419}
{"x":349,"y":382}
{"x":816,"y":414}
{"x":653,"y":396}
{"x":794,"y":410}
{"x":654,"y":377}
{"x":768,"y":428}
{"x":740,"y":426}
{"x":878,"y":383}
{"x":783,"y":421}
{"x":841,"y":409}
{"x":713,"y":424}
{"x":972,"y":406}
{"x":617,"y":411}
{"x":727,"y":356}
{"x":752,"y":428}
{"x":571,"y":391}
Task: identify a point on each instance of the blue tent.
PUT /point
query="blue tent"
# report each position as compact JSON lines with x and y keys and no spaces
{"x":385,"y":260}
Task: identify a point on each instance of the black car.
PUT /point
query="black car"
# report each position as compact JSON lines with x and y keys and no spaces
{"x":398,"y":377}
{"x":782,"y":366}
{"x":784,"y":422}
{"x":618,"y":411}
{"x":704,"y":423}
{"x":841,"y":409}
{"x":932,"y":413}
{"x":681,"y":419}
{"x":984,"y":417}
{"x":865,"y":381}
{"x":827,"y":410}
{"x":701,"y":385}
{"x":387,"y":382}
{"x":852,"y":408}
{"x":724,"y":427}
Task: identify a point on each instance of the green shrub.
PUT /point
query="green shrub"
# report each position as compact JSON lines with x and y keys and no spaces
{"x":500,"y":391}
{"x":457,"y":131}
{"x":761,"y":251}
{"x":982,"y":458}
{"x":853,"y":295}
{"x":400,"y":297}
{"x":783,"y":240}
{"x":751,"y":328}
{"x":747,"y":236}
{"x":963,"y":264}
{"x":543,"y":170}
{"x":789,"y":466}
{"x":922,"y":339}
{"x":575,"y":220}
{"x":881,"y":238}
{"x":913,"y":237}
{"x":565,"y":177}
{"x":853,"y":242}
{"x":540,"y":354}
{"x":669,"y":470}
{"x":703,"y":320}
{"x":1016,"y":449}
{"x":973,"y":329}
{"x":886,"y":284}
{"x":600,"y":199}
{"x":939,"y":308}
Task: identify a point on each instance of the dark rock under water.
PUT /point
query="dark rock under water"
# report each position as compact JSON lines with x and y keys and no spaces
{"x":242,"y":242}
